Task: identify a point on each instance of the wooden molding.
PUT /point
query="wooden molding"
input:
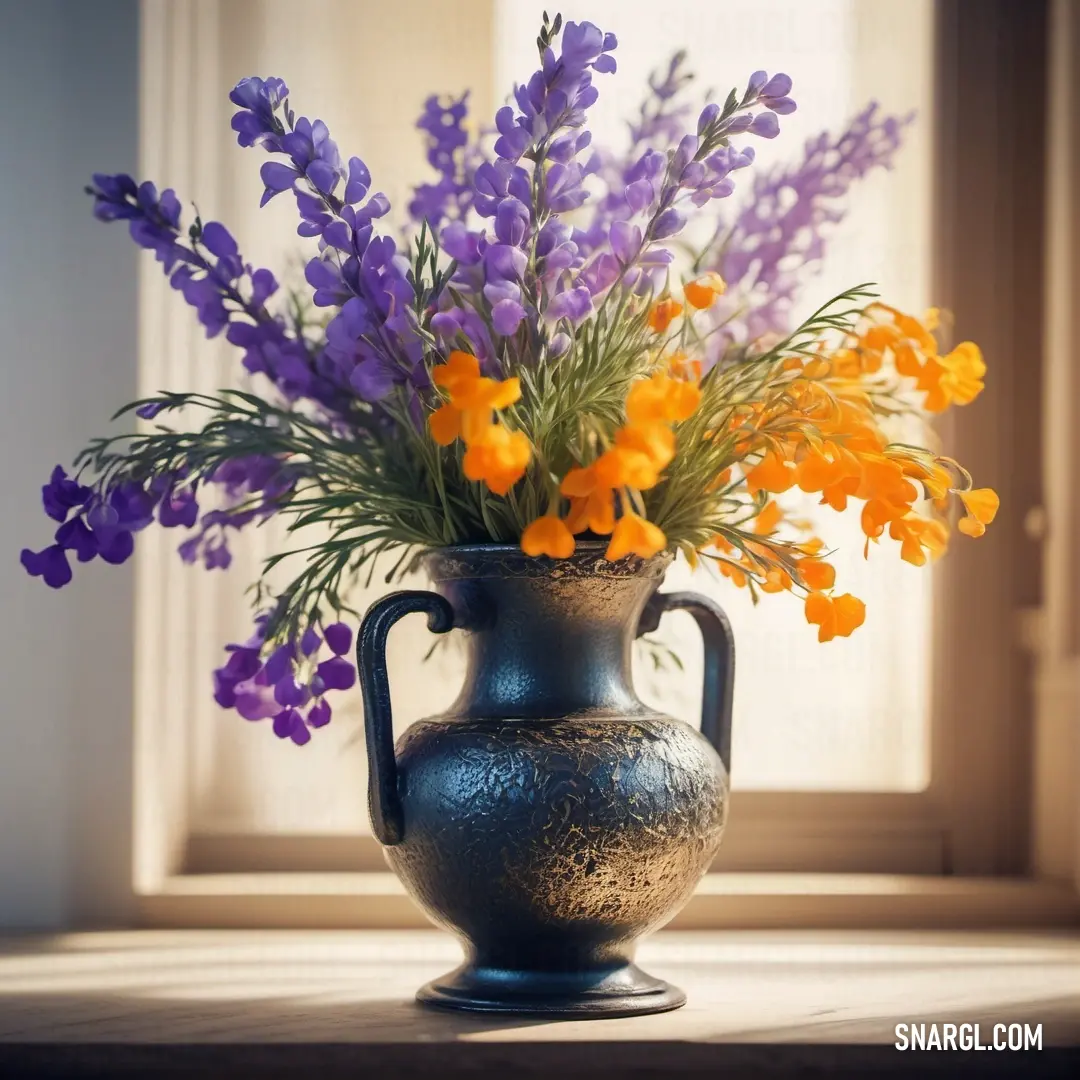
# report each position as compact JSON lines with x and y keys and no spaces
{"x":744,"y":901}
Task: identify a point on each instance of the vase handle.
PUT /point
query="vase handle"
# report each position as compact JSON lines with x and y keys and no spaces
{"x":717,"y":693}
{"x":384,"y":800}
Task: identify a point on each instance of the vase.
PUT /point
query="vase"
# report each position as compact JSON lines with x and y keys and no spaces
{"x":550,"y":818}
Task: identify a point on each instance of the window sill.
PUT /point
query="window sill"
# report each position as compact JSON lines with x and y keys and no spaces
{"x":300,"y":1003}
{"x":737,"y":900}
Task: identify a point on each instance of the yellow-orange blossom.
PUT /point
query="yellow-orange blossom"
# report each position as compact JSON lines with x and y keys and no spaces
{"x":816,"y":429}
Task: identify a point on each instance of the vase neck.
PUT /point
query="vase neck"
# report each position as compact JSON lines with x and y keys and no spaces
{"x":544,"y":647}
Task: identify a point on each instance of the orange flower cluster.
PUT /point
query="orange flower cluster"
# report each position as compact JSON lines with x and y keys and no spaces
{"x":643,"y":447}
{"x":807,"y":422}
{"x":821,"y":434}
{"x":493,"y":454}
{"x":953,"y":379}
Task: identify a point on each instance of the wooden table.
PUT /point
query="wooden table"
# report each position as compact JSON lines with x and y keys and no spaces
{"x":327,"y":1004}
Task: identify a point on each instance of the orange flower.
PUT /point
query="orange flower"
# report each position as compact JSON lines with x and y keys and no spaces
{"x":655,"y":441}
{"x":917,"y":536}
{"x":768,"y":519}
{"x":548,"y":535}
{"x":485,"y":393}
{"x":982,"y":507}
{"x":633,"y":535}
{"x":703,"y":292}
{"x":619,"y":467}
{"x":816,"y":574}
{"x":499,"y":459}
{"x":956,"y":378}
{"x":771,"y":474}
{"x":595,"y":512}
{"x":736,"y":575}
{"x":459,"y":369}
{"x":720,"y":480}
{"x":834,"y":616}
{"x":578,"y":482}
{"x":663,"y":313}
{"x":445,"y":424}
{"x":660,"y":398}
{"x":776,"y":580}
{"x":493,"y":454}
{"x":822,"y":468}
{"x":877,"y":513}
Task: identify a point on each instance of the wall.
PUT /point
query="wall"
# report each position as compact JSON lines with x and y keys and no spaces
{"x":69,"y":84}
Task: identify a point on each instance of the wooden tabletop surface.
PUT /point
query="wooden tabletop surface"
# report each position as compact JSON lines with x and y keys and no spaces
{"x":339,"y":1003}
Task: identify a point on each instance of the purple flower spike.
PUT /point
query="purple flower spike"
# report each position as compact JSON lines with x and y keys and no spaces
{"x":338,"y":637}
{"x":337,"y":674}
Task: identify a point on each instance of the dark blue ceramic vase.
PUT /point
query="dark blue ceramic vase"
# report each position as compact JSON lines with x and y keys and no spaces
{"x":550,"y":818}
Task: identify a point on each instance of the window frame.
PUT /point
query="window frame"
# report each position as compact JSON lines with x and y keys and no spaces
{"x":974,"y":818}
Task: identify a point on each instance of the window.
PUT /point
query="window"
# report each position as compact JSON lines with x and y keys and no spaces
{"x":857,"y":756}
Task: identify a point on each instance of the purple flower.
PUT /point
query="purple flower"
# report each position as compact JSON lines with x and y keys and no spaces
{"x":668,"y":223}
{"x":766,"y":125}
{"x":256,"y":122}
{"x":774,"y":94}
{"x":60,"y":495}
{"x":289,"y":724}
{"x":50,"y":564}
{"x":780,"y":230}
{"x":255,"y":702}
{"x":76,"y":536}
{"x":310,"y":641}
{"x":625,"y":240}
{"x":506,"y":316}
{"x":287,"y":682}
{"x":337,"y":673}
{"x":287,"y":691}
{"x":574,"y":304}
{"x":178,"y":508}
{"x":450,"y":196}
{"x":150,"y":409}
{"x":319,"y":714}
{"x":338,"y":637}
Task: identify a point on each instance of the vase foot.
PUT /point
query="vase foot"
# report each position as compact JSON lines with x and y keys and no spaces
{"x":622,"y":991}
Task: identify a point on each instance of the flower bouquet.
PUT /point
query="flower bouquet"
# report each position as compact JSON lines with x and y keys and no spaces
{"x":564,"y":344}
{"x":570,"y":366}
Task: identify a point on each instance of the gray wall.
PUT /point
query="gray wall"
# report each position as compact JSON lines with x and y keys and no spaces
{"x":68,"y":88}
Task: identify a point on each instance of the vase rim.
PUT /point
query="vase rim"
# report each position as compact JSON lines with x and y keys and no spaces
{"x":508,"y":560}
